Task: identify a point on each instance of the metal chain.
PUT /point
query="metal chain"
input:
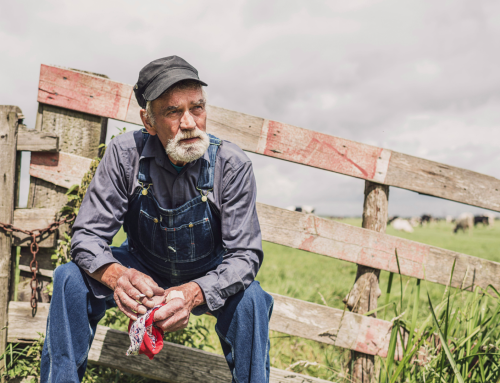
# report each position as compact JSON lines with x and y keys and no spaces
{"x":34,"y":234}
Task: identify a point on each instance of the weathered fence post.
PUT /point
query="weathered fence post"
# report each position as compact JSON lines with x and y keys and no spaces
{"x":365,"y":292}
{"x":8,"y":144}
{"x":79,"y":133}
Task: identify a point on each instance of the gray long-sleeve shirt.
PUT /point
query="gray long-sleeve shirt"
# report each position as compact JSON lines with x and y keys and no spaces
{"x":106,"y":203}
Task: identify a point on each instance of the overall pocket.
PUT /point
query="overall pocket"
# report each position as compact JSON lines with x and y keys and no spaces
{"x":151,"y":235}
{"x":193,"y":241}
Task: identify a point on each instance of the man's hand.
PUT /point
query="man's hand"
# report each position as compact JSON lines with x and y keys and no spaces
{"x":134,"y":291}
{"x":174,"y":316}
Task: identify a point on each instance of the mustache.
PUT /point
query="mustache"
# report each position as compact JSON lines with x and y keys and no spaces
{"x":187,"y":134}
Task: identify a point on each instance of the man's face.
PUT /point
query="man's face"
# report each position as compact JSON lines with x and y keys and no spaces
{"x":180,"y":122}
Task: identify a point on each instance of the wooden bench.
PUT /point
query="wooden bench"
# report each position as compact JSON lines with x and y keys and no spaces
{"x":72,"y":120}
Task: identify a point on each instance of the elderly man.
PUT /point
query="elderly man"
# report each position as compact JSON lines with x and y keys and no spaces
{"x":187,"y":202}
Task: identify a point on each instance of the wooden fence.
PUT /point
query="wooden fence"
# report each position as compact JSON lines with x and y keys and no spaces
{"x":71,"y":124}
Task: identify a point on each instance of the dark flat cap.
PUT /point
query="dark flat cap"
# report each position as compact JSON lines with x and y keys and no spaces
{"x":159,"y":75}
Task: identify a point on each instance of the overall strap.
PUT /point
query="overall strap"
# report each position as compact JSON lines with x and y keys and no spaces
{"x":207,"y":170}
{"x":144,"y":176}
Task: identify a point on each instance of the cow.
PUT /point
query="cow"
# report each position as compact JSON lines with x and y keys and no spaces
{"x":465,"y":221}
{"x":401,"y":224}
{"x":480,"y":219}
{"x":487,"y":219}
{"x":302,"y":209}
{"x":425,"y":218}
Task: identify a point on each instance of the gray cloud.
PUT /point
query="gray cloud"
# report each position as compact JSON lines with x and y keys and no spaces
{"x":420,"y":77}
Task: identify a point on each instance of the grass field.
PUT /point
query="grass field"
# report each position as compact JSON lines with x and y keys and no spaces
{"x":324,"y":280}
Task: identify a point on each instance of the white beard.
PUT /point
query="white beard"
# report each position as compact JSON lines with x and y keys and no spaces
{"x":183,"y":152}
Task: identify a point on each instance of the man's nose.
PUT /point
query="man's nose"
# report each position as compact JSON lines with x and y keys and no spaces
{"x":187,"y":121}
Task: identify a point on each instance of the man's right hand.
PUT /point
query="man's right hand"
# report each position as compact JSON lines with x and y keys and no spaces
{"x":128,"y":285}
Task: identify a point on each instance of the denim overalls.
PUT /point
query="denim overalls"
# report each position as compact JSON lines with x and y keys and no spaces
{"x":173,"y":246}
{"x":180,"y":244}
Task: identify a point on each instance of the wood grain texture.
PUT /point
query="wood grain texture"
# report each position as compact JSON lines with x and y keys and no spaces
{"x":31,"y":219}
{"x":440,"y":180}
{"x":62,"y":169}
{"x":44,"y":275}
{"x":43,"y":257}
{"x":106,"y":98}
{"x":332,"y":326}
{"x":372,"y":249}
{"x":79,"y":134}
{"x":175,"y":363}
{"x":8,"y":141}
{"x":34,"y":141}
{"x":364,"y":295}
{"x":85,"y":92}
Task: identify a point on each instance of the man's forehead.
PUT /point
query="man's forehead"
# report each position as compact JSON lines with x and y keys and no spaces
{"x":178,"y":97}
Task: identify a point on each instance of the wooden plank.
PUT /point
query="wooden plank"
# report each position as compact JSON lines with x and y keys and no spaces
{"x":174,"y":363}
{"x":329,"y":325}
{"x":106,"y":98}
{"x":376,"y":250}
{"x":31,"y":219}
{"x":307,"y":320}
{"x":83,"y":92}
{"x":8,"y":140}
{"x":62,"y":169}
{"x":440,"y":180}
{"x":34,"y":141}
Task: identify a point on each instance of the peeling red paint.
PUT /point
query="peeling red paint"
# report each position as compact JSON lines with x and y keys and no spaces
{"x":83,"y":92}
{"x":373,"y":337}
{"x":321,"y":150}
{"x":44,"y":159}
{"x":308,"y":244}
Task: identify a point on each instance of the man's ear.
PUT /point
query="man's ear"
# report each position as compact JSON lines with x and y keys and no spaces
{"x":146,"y":122}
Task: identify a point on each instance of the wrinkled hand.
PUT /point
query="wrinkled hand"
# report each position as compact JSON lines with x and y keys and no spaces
{"x":135,"y":292}
{"x":174,"y":316}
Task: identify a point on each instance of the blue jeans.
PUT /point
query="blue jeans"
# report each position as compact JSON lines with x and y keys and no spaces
{"x":242,"y":326}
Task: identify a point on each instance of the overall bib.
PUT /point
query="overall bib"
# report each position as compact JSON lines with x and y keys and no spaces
{"x":173,"y":246}
{"x":180,"y":244}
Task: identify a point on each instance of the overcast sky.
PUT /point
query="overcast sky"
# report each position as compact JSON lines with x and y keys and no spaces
{"x":419,"y":77}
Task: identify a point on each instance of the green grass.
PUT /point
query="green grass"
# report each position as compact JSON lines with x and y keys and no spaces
{"x":319,"y":279}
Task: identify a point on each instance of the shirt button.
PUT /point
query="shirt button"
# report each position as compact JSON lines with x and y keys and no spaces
{"x":155,"y":220}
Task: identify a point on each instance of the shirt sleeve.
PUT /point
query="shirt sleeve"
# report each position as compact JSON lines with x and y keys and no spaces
{"x":241,"y":237}
{"x":101,"y":216}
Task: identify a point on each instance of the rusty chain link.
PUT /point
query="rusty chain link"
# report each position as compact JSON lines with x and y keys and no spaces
{"x":34,"y":234}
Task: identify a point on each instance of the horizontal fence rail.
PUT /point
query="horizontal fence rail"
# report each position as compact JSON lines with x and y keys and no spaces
{"x":106,"y":98}
{"x":324,"y":236}
{"x":34,"y":141}
{"x":175,"y":363}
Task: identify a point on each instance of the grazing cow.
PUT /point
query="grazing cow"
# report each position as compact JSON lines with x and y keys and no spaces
{"x":302,"y":209}
{"x":415,"y":221}
{"x":465,"y":221}
{"x":486,"y":219}
{"x":402,"y":224}
{"x":425,"y":218}
{"x":480,"y":219}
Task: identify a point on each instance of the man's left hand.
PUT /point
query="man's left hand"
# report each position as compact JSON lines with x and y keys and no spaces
{"x":174,"y":316}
